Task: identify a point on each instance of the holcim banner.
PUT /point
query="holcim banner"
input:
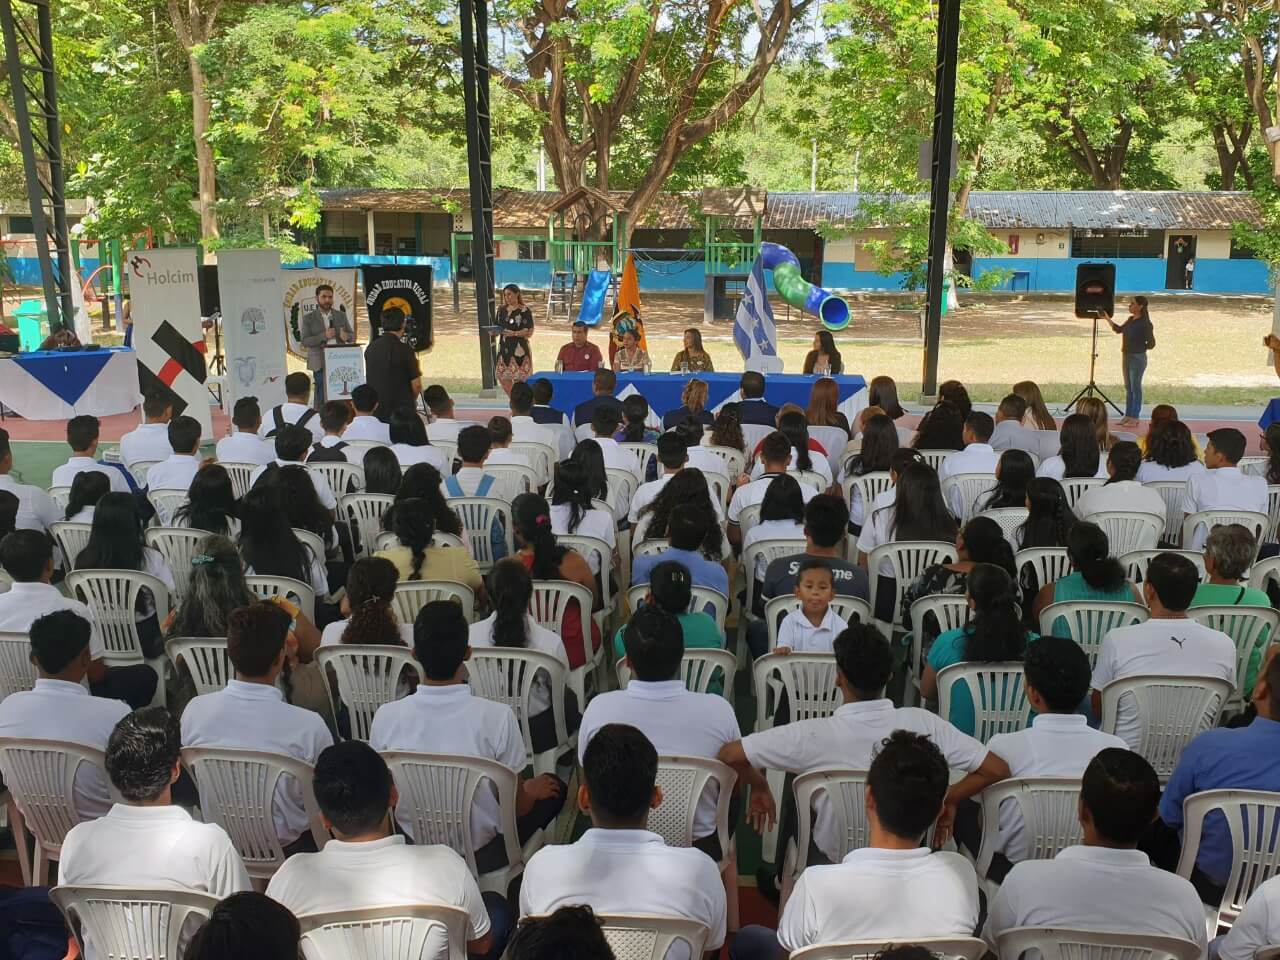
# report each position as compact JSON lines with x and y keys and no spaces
{"x":253,"y":326}
{"x":299,"y":297}
{"x":167,"y":335}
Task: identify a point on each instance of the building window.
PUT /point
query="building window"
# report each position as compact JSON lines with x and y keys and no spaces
{"x":342,"y":244}
{"x":1241,"y":252}
{"x":1117,"y":244}
{"x":531,"y":250}
{"x":407,"y":246}
{"x":19,"y":224}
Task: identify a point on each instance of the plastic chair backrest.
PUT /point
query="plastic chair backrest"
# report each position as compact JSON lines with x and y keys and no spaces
{"x":166,"y":503}
{"x":1059,"y":944}
{"x":342,"y":477}
{"x":1010,"y":520}
{"x":265,"y":586}
{"x":1129,"y":530}
{"x":909,"y":559}
{"x":1135,"y":562}
{"x":367,"y":677}
{"x":16,"y":669}
{"x":364,"y":512}
{"x":1077,"y":487}
{"x":40,"y":774}
{"x":111,"y":596}
{"x":550,"y":603}
{"x":1049,"y":563}
{"x":1089,"y":621}
{"x":506,"y":675}
{"x":809,"y":680}
{"x":385,"y":933}
{"x":206,"y":659}
{"x":6,"y":581}
{"x":1254,"y":466}
{"x":592,"y":548}
{"x":238,"y":790}
{"x":139,"y":469}
{"x":698,"y":667}
{"x":945,"y":948}
{"x":1264,"y":573}
{"x":1250,"y":629}
{"x":412,"y":595}
{"x":516,"y":478}
{"x":849,"y":609}
{"x":833,"y":440}
{"x":643,"y":452}
{"x":934,"y":458}
{"x":312,"y":542}
{"x":1171,"y":710}
{"x":1273,"y":512}
{"x":770,"y":549}
{"x":748,"y":517}
{"x":541,"y":455}
{"x":1174,"y":493}
{"x":240,"y":474}
{"x":683,"y":780}
{"x":845,"y":792}
{"x":810,"y":478}
{"x":177,"y":545}
{"x":1256,"y":523}
{"x":1253,"y":820}
{"x":71,"y":536}
{"x":387,"y":539}
{"x":622,"y":486}
{"x":449,"y":451}
{"x":720,"y":485}
{"x":1049,"y":808}
{"x":129,"y":922}
{"x":999,"y":693}
{"x":61,"y":496}
{"x":734,"y":461}
{"x":635,"y":937}
{"x":869,"y":486}
{"x":968,"y":487}
{"x":950,"y":610}
{"x":477,"y":515}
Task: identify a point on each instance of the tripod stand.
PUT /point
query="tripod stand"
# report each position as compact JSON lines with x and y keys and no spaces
{"x":1091,"y":388}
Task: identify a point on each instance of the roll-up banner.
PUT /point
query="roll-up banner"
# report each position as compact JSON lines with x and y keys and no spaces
{"x":253,"y":326}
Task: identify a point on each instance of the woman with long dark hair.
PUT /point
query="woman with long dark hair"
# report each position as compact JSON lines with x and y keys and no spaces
{"x":303,"y":506}
{"x":824,"y":358}
{"x":422,"y":482}
{"x":941,"y":429}
{"x":1078,"y":453}
{"x":879,"y":444}
{"x":824,"y":406}
{"x":687,"y":486}
{"x":882,"y":392}
{"x":992,"y":635}
{"x":781,"y":518}
{"x":382,"y":473}
{"x":1037,"y":416}
{"x":635,"y":411}
{"x":547,"y":560}
{"x":515,"y":329}
{"x":269,"y":546}
{"x":981,"y":541}
{"x":1137,"y":337}
{"x":211,"y":502}
{"x":1014,"y":471}
{"x":409,"y":440}
{"x":1171,"y":453}
{"x":1122,"y":491}
{"x":955,"y":392}
{"x":87,"y":489}
{"x":1096,"y":575}
{"x":572,"y":511}
{"x":1049,"y":515}
{"x":588,"y":455}
{"x":1271,"y":447}
{"x":726,"y":430}
{"x":416,"y":558}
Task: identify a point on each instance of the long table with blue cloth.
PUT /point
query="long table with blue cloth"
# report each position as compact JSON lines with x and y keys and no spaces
{"x":1271,"y":414}
{"x":662,"y":390}
{"x":56,"y":385}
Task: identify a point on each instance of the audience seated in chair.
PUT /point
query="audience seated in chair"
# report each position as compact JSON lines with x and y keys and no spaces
{"x":82,"y":438}
{"x":178,"y":469}
{"x":500,"y":438}
{"x":690,"y":530}
{"x":247,"y":926}
{"x":671,"y":590}
{"x":524,"y":428}
{"x":443,"y":427}
{"x":1257,"y":926}
{"x":416,"y":558}
{"x":36,"y":509}
{"x":1122,"y":491}
{"x":295,"y":411}
{"x":813,"y":626}
{"x":753,"y":407}
{"x":1078,"y":452}
{"x":332,"y":447}
{"x":545,"y":559}
{"x":1096,"y":575}
{"x":292,"y":444}
{"x":471,"y":480}
{"x":978,"y":455}
{"x":1228,"y":555}
{"x":1170,"y":453}
{"x":1223,"y":486}
{"x":245,"y":445}
{"x":573,"y":512}
{"x":366,"y":425}
{"x":149,"y":440}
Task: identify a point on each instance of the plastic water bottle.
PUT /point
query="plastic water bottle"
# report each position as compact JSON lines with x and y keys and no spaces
{"x":684,"y":367}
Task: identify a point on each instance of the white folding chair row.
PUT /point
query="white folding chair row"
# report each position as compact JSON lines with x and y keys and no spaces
{"x":549,"y":605}
{"x":770,"y":549}
{"x":934,"y":458}
{"x":908,"y":560}
{"x":844,"y":791}
{"x":507,"y":675}
{"x":385,"y":933}
{"x":17,"y":672}
{"x":265,"y":587}
{"x":478,"y":515}
{"x":129,"y":922}
{"x":206,"y":661}
{"x":1256,"y":523}
{"x":1171,"y":711}
{"x":1055,"y":943}
{"x":139,"y":470}
{"x":1254,"y":466}
{"x":449,"y":451}
{"x":177,"y":545}
{"x":966,"y":488}
{"x":412,"y":595}
{"x":1251,"y":629}
{"x":735,"y":462}
{"x":71,"y":536}
{"x":998,"y":691}
{"x":1174,"y":493}
{"x":644,"y":453}
{"x":343,"y":477}
{"x":364,"y":511}
{"x":849,"y":609}
{"x":112,"y":596}
{"x":515,"y":478}
{"x":240,"y":474}
{"x":166,"y":504}
{"x":1049,"y":810}
{"x":1048,"y":563}
{"x":951,"y":611}
{"x":1089,"y":621}
{"x":593,"y":548}
{"x":366,"y":677}
{"x":869,"y":486}
{"x":1135,"y":561}
{"x":1077,"y":487}
{"x":704,"y":600}
{"x":1129,"y":530}
{"x":944,"y":948}
{"x":698,"y":667}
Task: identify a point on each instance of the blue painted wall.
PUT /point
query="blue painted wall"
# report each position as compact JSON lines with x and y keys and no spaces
{"x":1231,"y":276}
{"x":26,"y":270}
{"x":528,"y":274}
{"x":1136,"y":275}
{"x":439,"y":265}
{"x":845,"y":276}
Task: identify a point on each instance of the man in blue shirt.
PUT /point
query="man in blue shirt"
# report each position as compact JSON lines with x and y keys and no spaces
{"x":1244,"y":758}
{"x":754,"y":408}
{"x":602,"y":386}
{"x":686,"y":528}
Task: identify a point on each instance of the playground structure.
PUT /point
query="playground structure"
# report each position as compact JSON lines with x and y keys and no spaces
{"x":833,"y":311}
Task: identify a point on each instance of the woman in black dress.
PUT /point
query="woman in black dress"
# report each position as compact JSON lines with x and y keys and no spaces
{"x":515,"y":355}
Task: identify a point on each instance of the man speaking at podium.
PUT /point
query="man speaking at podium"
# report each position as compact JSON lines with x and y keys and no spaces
{"x":321,"y":327}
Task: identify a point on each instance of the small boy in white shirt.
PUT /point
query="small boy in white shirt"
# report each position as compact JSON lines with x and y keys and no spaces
{"x":814,"y":626}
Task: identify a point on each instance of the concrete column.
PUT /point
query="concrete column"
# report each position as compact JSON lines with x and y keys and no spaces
{"x":372,"y":241}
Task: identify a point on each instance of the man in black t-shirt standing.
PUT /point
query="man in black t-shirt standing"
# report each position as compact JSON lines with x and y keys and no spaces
{"x":391,"y":367}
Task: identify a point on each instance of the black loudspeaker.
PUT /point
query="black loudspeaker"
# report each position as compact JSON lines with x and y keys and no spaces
{"x":210,"y":298}
{"x":1095,"y":289}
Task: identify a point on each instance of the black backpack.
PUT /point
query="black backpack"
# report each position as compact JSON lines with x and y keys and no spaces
{"x":277,"y":415}
{"x":323,"y":454}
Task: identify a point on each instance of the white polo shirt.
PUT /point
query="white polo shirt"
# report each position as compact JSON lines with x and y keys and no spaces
{"x":331,"y":635}
{"x":594,"y":523}
{"x":1150,"y":470}
{"x":877,"y":524}
{"x":615,"y":458}
{"x":820,"y":466}
{"x":1224,"y":488}
{"x":365,"y":427}
{"x":1170,"y":647}
{"x":1055,"y":467}
{"x":500,"y":456}
{"x":540,"y":639}
{"x":58,"y":710}
{"x":470,"y":478}
{"x":450,"y":720}
{"x":408,"y":455}
{"x":878,"y":894}
{"x":628,"y":871}
{"x":1055,"y":745}
{"x":646,"y":493}
{"x":175,"y":472}
{"x":36,"y":509}
{"x":244,"y":447}
{"x":147,"y":441}
{"x":801,"y":636}
{"x":974,"y":458}
{"x":323,"y":491}
{"x":849,"y":738}
{"x":353,"y":455}
{"x":381,"y":873}
{"x":445,"y":430}
{"x":25,"y":603}
{"x":1097,"y":888}
{"x":291,"y":413}
{"x":678,"y":722}
{"x":1120,"y":495}
{"x":529,"y":430}
{"x":1257,"y":926}
{"x":65,"y":474}
{"x":254,"y":716}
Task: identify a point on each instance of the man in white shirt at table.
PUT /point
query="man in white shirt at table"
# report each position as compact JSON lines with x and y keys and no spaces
{"x":619,"y":866}
{"x":295,"y":410}
{"x":365,"y":425}
{"x":60,"y":706}
{"x":367,"y":864}
{"x":244,"y":445}
{"x":36,"y":509}
{"x":895,"y":888}
{"x":1105,"y":883}
{"x":176,"y":471}
{"x":1224,"y":486}
{"x":1168,"y":644}
{"x":150,"y":439}
{"x":250,"y":713}
{"x":82,"y":438}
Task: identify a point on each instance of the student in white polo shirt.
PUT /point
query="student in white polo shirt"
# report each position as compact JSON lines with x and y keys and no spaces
{"x":526,"y":429}
{"x":604,"y":424}
{"x":146,"y":841}
{"x":244,"y":445}
{"x":296,"y":409}
{"x":691,"y":431}
{"x":892,"y":889}
{"x":1167,"y":644}
{"x":619,"y":866}
{"x":150,"y":439}
{"x":677,"y":721}
{"x":332,"y":448}
{"x":36,"y":509}
{"x":292,"y":444}
{"x":1257,"y":926}
{"x":250,"y":712}
{"x":1122,"y":491}
{"x":177,"y":470}
{"x":443,"y":427}
{"x":1224,"y":486}
{"x":1105,"y":883}
{"x":82,"y":438}
{"x":60,"y":706}
{"x":813,"y":626}
{"x":471,"y":480}
{"x":978,"y":456}
{"x":367,"y":864}
{"x":775,"y":454}
{"x":442,"y":716}
{"x":365,"y":425}
{"x":573,"y":512}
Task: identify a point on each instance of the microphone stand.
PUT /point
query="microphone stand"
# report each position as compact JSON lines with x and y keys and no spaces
{"x":1091,"y":388}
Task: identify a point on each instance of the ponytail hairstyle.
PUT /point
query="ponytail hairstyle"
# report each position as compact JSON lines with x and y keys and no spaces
{"x":793,"y":425}
{"x":635,"y":411}
{"x":1079,"y":447}
{"x":588,"y":455}
{"x":671,"y":586}
{"x":570,"y":487}
{"x":532,"y":519}
{"x":783,"y":500}
{"x":1270,"y":440}
{"x":1090,"y":553}
{"x":984,"y":543}
{"x":1125,"y":458}
{"x":1049,"y":517}
{"x":511,"y":588}
{"x":216,"y":587}
{"x":1014,"y":471}
{"x":414,"y":525}
{"x":995,"y":632}
{"x":371,"y":587}
{"x":87,"y":489}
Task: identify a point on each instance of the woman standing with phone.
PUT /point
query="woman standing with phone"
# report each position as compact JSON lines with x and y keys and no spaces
{"x":1139,"y":337}
{"x":515,"y":355}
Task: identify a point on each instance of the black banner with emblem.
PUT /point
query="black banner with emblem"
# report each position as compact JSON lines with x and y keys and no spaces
{"x":406,"y":287}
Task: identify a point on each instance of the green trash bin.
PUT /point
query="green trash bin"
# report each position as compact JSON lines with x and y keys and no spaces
{"x":33,"y":325}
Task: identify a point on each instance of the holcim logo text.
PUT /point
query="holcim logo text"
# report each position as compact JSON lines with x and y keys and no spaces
{"x":164,"y":278}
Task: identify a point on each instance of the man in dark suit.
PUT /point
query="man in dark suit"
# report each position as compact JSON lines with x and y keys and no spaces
{"x":602,"y":385}
{"x":391,"y":367}
{"x":754,"y":408}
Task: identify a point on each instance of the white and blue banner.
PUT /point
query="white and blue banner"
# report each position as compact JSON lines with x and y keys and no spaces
{"x":754,"y":332}
{"x":253,"y":326}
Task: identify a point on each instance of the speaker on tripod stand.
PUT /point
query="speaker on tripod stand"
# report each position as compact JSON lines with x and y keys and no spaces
{"x":1095,"y":296}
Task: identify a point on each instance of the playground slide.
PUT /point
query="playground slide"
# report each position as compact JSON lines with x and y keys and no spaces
{"x":594,"y":292}
{"x":833,"y":311}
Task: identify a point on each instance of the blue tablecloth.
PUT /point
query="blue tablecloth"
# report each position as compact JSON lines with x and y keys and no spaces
{"x":67,"y":375}
{"x":1269,"y":416}
{"x":663,"y":390}
{"x":47,"y":385}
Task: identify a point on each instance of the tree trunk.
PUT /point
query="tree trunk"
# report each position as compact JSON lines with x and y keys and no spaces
{"x":206,"y":166}
{"x":1228,"y":159}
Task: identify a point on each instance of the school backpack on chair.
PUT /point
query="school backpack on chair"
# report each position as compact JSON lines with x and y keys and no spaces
{"x":334,"y":454}
{"x":277,"y":417}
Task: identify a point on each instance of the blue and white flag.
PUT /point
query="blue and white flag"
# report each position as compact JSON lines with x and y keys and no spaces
{"x":754,"y":332}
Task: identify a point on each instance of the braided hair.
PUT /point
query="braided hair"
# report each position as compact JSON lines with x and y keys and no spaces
{"x":414,"y":525}
{"x":371,"y":586}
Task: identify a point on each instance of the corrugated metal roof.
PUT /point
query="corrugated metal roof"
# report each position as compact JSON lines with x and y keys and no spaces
{"x":1156,"y":210}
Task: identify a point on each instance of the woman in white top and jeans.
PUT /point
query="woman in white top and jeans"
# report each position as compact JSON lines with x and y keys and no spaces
{"x":572,"y":512}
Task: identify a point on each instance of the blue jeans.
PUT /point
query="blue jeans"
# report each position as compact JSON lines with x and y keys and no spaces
{"x":1135,"y":365}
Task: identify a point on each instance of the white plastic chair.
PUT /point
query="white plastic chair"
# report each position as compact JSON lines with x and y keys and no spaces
{"x":643,"y":452}
{"x":367,"y":677}
{"x":833,"y":440}
{"x":112,"y":596}
{"x":951,"y":610}
{"x":1089,"y":621}
{"x":166,"y":503}
{"x":240,"y":474}
{"x":385,"y":933}
{"x":934,"y":458}
{"x":1250,"y":629}
{"x":265,"y":586}
{"x":721,"y":487}
{"x":734,"y":461}
{"x":61,"y":496}
{"x":312,"y":542}
{"x":637,"y":937}
{"x":507,"y":675}
{"x":999,"y":695}
{"x":437,"y":792}
{"x":1059,"y":944}
{"x":748,"y":517}
{"x":548,"y":606}
{"x":6,"y":582}
{"x":770,"y":549}
{"x":703,"y":600}
{"x":622,"y":486}
{"x":139,"y":470}
{"x":132,"y":923}
{"x":1252,"y":818}
{"x":647,"y":548}
{"x":514,"y":478}
{"x":698,"y":666}
{"x":542,"y":456}
{"x":40,"y":778}
{"x":1129,"y":530}
{"x":1256,"y":523}
{"x":238,"y":792}
{"x":869,"y":486}
{"x":1254,"y":466}
{"x":448,"y":452}
{"x":387,"y":539}
{"x":71,"y":536}
{"x":1264,"y":573}
{"x":16,"y":669}
{"x":1011,"y":521}
{"x":343,"y":477}
{"x":412,"y":595}
{"x":478,"y":515}
{"x":811,"y":478}
{"x":593,"y":548}
{"x":1174,"y":494}
{"x":946,"y":948}
{"x":1135,"y":562}
{"x":683,"y":780}
{"x":1049,"y":809}
{"x":364,"y":512}
{"x":844,"y":792}
{"x":1048,"y":563}
{"x":206,"y":659}
{"x":908,"y":560}
{"x":966,"y":488}
{"x":849,"y":609}
{"x":1077,"y":487}
{"x":177,"y":545}
{"x":1171,"y":710}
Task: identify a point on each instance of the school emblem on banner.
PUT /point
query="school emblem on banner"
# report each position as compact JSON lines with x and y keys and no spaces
{"x":300,"y":297}
{"x":404,"y":287}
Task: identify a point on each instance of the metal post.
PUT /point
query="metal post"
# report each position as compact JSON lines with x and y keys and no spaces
{"x":944,"y":107}
{"x":475,"y":89}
